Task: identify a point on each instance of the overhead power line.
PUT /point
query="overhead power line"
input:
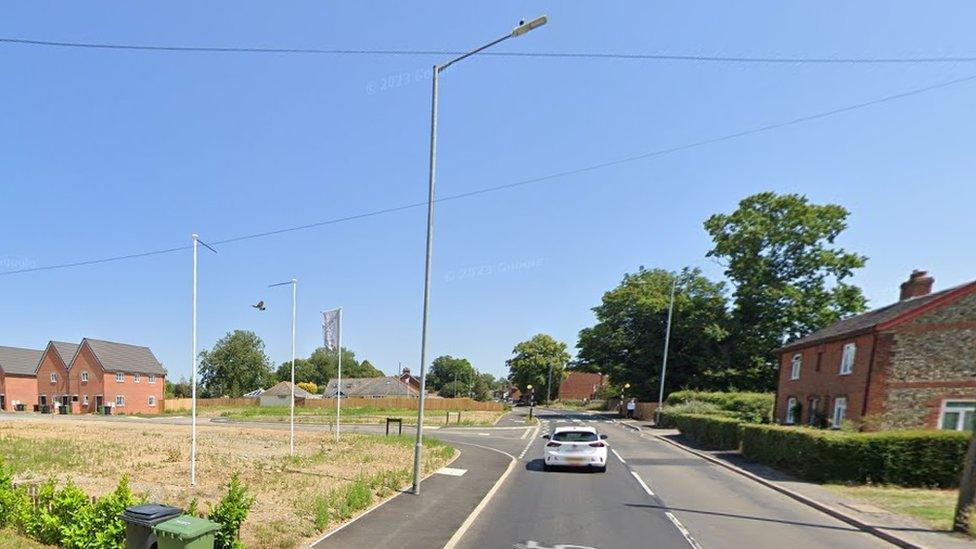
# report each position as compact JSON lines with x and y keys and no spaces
{"x":548,"y":54}
{"x":521,"y":183}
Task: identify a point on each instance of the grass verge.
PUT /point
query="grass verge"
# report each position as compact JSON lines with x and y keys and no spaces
{"x":934,"y":507}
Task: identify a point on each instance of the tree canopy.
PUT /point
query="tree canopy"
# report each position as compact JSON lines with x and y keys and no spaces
{"x":445,"y":369}
{"x":627,"y":341}
{"x":531,"y":363}
{"x":323,"y":365}
{"x":237,"y":364}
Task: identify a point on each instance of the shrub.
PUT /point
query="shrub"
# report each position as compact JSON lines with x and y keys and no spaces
{"x":14,"y":502}
{"x":715,"y":432}
{"x":230,"y":512}
{"x":751,"y":407}
{"x":904,"y":458}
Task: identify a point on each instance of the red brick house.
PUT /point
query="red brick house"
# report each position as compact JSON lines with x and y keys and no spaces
{"x":411,"y":380}
{"x":580,"y":386}
{"x":126,"y":377}
{"x":18,"y":377}
{"x":53,"y":384}
{"x":911,"y":364}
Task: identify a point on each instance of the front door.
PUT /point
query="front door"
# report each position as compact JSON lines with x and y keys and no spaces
{"x":3,"y":402}
{"x":98,"y":401}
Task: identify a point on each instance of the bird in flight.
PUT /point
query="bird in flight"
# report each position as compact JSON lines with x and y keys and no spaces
{"x":259,"y":305}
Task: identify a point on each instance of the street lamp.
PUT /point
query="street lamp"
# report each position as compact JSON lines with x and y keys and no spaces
{"x":664,"y":361}
{"x":521,"y":29}
{"x":294,"y":307}
{"x":193,"y":390}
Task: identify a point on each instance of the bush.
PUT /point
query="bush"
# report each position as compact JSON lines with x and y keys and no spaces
{"x":751,"y":407}
{"x":230,"y":512}
{"x":715,"y":432}
{"x":904,"y":458}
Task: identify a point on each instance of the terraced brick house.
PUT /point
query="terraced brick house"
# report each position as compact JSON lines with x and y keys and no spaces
{"x":580,"y":386}
{"x":53,"y":384}
{"x":18,"y":377}
{"x":126,"y":377}
{"x":910,"y":364}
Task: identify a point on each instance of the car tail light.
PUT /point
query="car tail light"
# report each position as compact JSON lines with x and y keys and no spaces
{"x":553,"y":445}
{"x":597,"y":444}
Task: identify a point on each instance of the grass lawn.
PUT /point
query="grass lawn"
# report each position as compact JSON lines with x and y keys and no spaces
{"x":298,"y":497}
{"x":13,"y":540}
{"x":932,"y":506}
{"x":364,"y":414}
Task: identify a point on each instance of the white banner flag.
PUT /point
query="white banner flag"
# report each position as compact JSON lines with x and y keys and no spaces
{"x":330,"y":329}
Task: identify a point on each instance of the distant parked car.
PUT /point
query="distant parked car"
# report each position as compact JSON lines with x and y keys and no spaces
{"x":576,"y":447}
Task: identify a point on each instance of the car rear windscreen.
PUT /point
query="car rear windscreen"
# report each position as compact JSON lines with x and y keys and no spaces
{"x":575,"y":436}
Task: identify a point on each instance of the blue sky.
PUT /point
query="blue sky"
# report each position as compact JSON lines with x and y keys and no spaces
{"x":113,"y":152}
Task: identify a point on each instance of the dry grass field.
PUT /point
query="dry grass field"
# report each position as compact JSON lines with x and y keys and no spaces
{"x":297,"y":497}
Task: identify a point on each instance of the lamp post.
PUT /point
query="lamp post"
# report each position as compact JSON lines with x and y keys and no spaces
{"x":664,"y":362}
{"x":531,"y":399}
{"x":294,"y":308}
{"x":418,"y":446}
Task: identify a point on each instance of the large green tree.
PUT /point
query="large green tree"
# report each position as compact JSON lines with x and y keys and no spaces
{"x":627,"y":341}
{"x":531,"y":364}
{"x":236,"y":365}
{"x":323,"y":365}
{"x":445,"y":370}
{"x":790,"y":276}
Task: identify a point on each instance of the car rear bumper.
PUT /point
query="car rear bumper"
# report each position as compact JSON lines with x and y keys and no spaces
{"x":559,"y":460}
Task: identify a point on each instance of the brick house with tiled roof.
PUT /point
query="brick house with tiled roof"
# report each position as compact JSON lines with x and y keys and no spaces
{"x":127,"y":377}
{"x":53,"y":375}
{"x":18,"y":376}
{"x":910,"y":364}
{"x":580,"y":386}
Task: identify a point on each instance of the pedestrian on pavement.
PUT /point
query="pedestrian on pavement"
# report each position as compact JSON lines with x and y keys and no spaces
{"x":631,"y":406}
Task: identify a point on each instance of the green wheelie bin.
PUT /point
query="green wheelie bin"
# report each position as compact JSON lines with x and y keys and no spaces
{"x":140,"y":520}
{"x":186,"y":532}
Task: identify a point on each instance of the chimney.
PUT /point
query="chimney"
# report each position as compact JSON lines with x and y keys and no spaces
{"x":918,"y":284}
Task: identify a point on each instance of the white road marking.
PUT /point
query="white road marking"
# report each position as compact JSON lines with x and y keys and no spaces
{"x":529,"y":443}
{"x":622,"y":460}
{"x":459,"y":533}
{"x":526,"y":433}
{"x":451,"y":471}
{"x":684,"y":531}
{"x":642,"y":484}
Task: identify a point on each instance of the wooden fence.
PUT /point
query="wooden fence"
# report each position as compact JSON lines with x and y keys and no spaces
{"x":407,"y":403}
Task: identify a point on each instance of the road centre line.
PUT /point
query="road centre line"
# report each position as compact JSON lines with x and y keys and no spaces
{"x":622,"y":460}
{"x":642,"y":484}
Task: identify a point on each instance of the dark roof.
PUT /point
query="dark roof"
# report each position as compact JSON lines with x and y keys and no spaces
{"x":865,"y":322}
{"x":371,"y":387}
{"x":283,"y":388}
{"x":18,"y":361}
{"x":122,"y":357}
{"x":66,"y":350}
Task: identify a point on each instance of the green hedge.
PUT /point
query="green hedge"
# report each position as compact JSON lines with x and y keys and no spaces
{"x":715,"y":432}
{"x":751,"y":407}
{"x":905,"y":458}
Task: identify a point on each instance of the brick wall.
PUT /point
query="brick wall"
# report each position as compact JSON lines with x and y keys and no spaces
{"x":826,"y":383}
{"x":93,"y":388}
{"x":18,"y":389}
{"x":579,"y":385}
{"x":135,"y":393}
{"x":51,"y":363}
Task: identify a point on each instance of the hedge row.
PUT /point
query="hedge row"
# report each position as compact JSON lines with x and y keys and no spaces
{"x":715,"y":432}
{"x":751,"y":407}
{"x":904,"y":458}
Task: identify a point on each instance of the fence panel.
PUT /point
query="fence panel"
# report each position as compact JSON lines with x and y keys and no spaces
{"x":407,"y":403}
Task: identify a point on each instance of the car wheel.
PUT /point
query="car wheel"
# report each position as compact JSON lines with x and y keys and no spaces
{"x":546,"y":467}
{"x":601,"y":469}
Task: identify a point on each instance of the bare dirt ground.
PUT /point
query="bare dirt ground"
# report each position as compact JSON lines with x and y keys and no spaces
{"x":290,"y":507}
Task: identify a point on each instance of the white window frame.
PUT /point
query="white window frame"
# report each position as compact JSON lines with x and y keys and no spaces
{"x":136,"y":377}
{"x":791,"y":410}
{"x":795,"y":365}
{"x":152,"y":401}
{"x":118,"y":399}
{"x":152,"y":378}
{"x":962,"y":416}
{"x":834,"y":421}
{"x":54,"y":377}
{"x":84,"y":377}
{"x":814,"y":409}
{"x":84,"y":400}
{"x":847,"y":359}
{"x":120,"y":377}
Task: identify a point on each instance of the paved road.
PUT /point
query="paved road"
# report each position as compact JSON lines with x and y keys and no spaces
{"x":679,"y":501}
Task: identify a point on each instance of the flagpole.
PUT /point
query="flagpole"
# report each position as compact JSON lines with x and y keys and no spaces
{"x":339,"y":372}
{"x":193,"y":389}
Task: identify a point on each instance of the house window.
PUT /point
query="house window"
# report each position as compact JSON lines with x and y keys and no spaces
{"x":119,"y":377}
{"x":54,"y":377}
{"x":791,"y":410}
{"x":795,"y":366}
{"x":84,"y":400}
{"x":847,"y":359}
{"x":958,"y":415}
{"x":120,"y":401}
{"x":135,"y":377}
{"x":840,"y":411}
{"x":84,"y":377}
{"x":43,"y":400}
{"x":152,"y":378}
{"x":819,"y":360}
{"x":814,"y":410}
{"x":152,"y":400}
